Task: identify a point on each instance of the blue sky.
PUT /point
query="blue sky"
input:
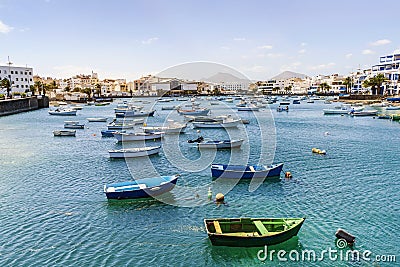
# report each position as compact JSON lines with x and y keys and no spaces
{"x":128,"y":39}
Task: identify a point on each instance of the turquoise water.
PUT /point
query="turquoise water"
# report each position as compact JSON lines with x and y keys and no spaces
{"x":53,"y":211}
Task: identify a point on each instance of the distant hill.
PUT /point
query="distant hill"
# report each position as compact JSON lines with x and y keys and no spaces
{"x":289,"y":74}
{"x":224,"y":77}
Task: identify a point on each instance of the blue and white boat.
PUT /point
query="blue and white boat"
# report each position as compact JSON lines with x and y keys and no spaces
{"x":63,"y":112}
{"x":141,"y":188}
{"x":110,"y":133}
{"x":194,"y":112}
{"x":245,"y":172}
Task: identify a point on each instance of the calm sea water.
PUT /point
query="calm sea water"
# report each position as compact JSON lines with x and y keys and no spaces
{"x":53,"y":211}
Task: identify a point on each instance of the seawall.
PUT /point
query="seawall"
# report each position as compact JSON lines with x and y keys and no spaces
{"x":13,"y":106}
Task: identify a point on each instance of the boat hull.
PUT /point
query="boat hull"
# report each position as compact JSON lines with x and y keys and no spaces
{"x":216,"y":124}
{"x":64,"y":133}
{"x":122,"y":137}
{"x":249,"y":238}
{"x":132,"y":190}
{"x":63,"y":113}
{"x":220,"y":144}
{"x":129,"y":153}
{"x":245,"y":172}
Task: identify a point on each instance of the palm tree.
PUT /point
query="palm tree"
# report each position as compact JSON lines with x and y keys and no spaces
{"x":375,"y":83}
{"x":32,"y":89}
{"x":324,"y":86}
{"x":5,"y":83}
{"x":348,"y":82}
{"x":38,"y":85}
{"x":288,"y":89}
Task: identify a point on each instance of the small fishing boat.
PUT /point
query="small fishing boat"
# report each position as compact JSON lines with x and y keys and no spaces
{"x":284,"y":103}
{"x":251,"y":232}
{"x":393,"y":108}
{"x":336,"y":111}
{"x":194,"y":112}
{"x":171,"y":128}
{"x":141,"y":188}
{"x":395,"y":117}
{"x":168,"y":108}
{"x":110,"y":133}
{"x":132,"y":113}
{"x":245,"y":172}
{"x":63,"y":112}
{"x":296,"y":101}
{"x":230,"y":123}
{"x":220,"y":144}
{"x":134,"y":152}
{"x":280,"y":109}
{"x":248,"y":108}
{"x":122,"y":137}
{"x":101,"y":104}
{"x":64,"y":133}
{"x":119,"y":126}
{"x":206,"y":118}
{"x":363,"y":113}
{"x":384,"y":116}
{"x":73,"y":125}
{"x":100,"y":119}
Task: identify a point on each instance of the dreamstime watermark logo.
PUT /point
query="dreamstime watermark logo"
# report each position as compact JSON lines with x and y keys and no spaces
{"x":332,"y":254}
{"x":259,"y":137}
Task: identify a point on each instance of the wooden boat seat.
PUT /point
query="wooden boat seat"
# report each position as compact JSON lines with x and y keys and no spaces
{"x":217,"y":227}
{"x":252,"y":168}
{"x":260,"y":227}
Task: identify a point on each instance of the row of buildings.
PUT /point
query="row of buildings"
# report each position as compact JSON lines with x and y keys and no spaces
{"x":75,"y":87}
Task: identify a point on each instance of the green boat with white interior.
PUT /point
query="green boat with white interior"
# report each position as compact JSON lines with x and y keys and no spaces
{"x":251,"y":232}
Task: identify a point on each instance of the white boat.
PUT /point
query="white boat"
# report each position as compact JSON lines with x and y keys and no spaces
{"x":363,"y":113}
{"x":194,"y":112}
{"x":73,"y":125}
{"x":122,"y":137}
{"x":134,"y":152}
{"x":63,"y":112}
{"x":393,"y":108}
{"x":100,"y":119}
{"x":220,"y":144}
{"x":168,"y":108}
{"x":128,"y":121}
{"x":119,"y":126}
{"x":132,"y":113}
{"x":214,"y":103}
{"x":336,"y":110}
{"x":229,"y":123}
{"x":64,"y":132}
{"x":171,"y":128}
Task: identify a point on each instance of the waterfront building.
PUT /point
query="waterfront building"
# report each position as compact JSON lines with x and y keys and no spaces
{"x":21,"y":78}
{"x":388,"y":66}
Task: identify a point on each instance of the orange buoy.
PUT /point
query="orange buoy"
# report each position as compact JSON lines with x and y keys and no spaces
{"x":288,"y":175}
{"x":219,"y":197}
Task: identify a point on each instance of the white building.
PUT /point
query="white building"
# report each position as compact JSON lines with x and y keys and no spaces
{"x":389,"y":67}
{"x":21,"y":77}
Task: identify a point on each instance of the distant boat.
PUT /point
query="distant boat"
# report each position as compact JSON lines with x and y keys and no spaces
{"x":100,"y":104}
{"x":251,"y":232}
{"x":245,"y":172}
{"x":220,"y":144}
{"x":224,"y":124}
{"x":134,"y":152}
{"x":393,"y":108}
{"x":141,"y":188}
{"x":170,"y":128}
{"x":63,"y":112}
{"x":194,"y":112}
{"x":168,"y":108}
{"x":280,"y":109}
{"x":248,"y":108}
{"x":284,"y":103}
{"x":310,"y":101}
{"x":64,"y":133}
{"x":295,"y":101}
{"x":336,"y":111}
{"x":363,"y":113}
{"x":132,"y":113}
{"x":97,"y":119}
{"x":384,"y":117}
{"x":122,"y":137}
{"x":110,"y":133}
{"x":119,"y":126}
{"x":73,"y":125}
{"x":395,"y":117}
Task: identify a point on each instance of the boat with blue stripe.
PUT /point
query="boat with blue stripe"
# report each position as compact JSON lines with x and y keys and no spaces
{"x":141,"y":188}
{"x":245,"y":171}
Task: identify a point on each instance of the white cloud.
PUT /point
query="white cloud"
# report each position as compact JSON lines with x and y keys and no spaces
{"x":368,"y":52}
{"x":257,"y":68}
{"x":290,"y":66}
{"x":273,"y":55}
{"x":265,"y":47}
{"x":323,"y":66}
{"x":381,"y":42}
{"x":303,"y":44}
{"x":239,"y":39}
{"x":225,"y":47}
{"x":4,"y":28}
{"x":302,"y":51}
{"x":150,"y":40}
{"x":349,"y":55}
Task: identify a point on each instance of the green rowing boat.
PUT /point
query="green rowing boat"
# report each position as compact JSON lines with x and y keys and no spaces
{"x":251,"y":232}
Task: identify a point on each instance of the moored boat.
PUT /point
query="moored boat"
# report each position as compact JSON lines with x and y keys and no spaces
{"x":119,"y":126}
{"x":134,"y":152}
{"x":245,"y":172}
{"x":132,"y":113}
{"x":122,"y":137}
{"x":63,"y":112}
{"x":100,"y":119}
{"x":64,"y":133}
{"x":141,"y":188}
{"x":220,"y":144}
{"x":363,"y":113}
{"x":251,"y":232}
{"x":110,"y":133}
{"x":194,"y":112}
{"x":73,"y":125}
{"x":248,"y":108}
{"x":230,"y":123}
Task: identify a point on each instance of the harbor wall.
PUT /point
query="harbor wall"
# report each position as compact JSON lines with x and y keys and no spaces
{"x":13,"y":106}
